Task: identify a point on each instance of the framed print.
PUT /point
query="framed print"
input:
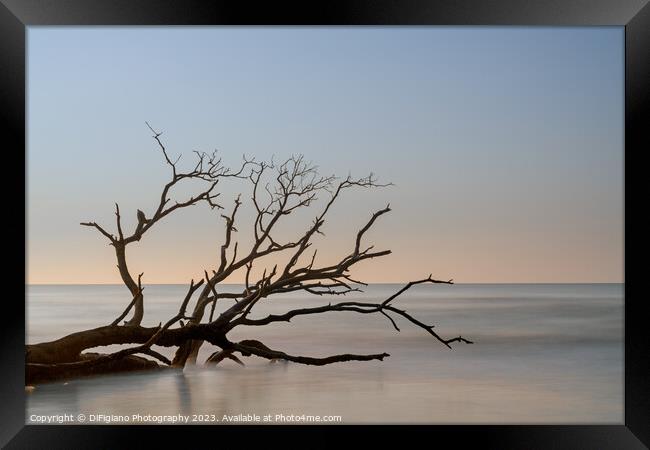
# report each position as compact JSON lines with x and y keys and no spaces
{"x":410,"y":219}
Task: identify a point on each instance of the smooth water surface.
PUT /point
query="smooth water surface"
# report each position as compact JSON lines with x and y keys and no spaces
{"x":542,"y":354}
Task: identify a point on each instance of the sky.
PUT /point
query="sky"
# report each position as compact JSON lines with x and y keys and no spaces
{"x":505,"y":145}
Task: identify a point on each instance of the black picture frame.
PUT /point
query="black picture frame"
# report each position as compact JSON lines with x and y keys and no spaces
{"x":16,"y":15}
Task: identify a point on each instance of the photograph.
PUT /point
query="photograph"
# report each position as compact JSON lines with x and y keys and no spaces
{"x":324,"y":225}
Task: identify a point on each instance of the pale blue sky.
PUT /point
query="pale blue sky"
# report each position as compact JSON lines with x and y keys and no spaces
{"x":505,"y":144}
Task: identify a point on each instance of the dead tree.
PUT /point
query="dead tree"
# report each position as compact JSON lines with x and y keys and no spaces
{"x":276,"y":192}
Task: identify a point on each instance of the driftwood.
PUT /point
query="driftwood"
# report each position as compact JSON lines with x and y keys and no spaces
{"x":277,"y":191}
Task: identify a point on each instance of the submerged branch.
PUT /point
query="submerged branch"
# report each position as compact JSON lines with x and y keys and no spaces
{"x":248,"y":348}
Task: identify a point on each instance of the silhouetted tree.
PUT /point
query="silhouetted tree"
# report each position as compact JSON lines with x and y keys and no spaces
{"x":277,"y":191}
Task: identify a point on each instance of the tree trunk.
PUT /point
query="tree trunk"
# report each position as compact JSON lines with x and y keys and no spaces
{"x":36,"y":373}
{"x":48,"y":361}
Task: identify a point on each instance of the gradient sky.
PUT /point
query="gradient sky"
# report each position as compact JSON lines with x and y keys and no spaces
{"x":505,"y":144}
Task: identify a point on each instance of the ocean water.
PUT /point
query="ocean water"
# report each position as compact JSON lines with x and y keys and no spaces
{"x":543,"y":354}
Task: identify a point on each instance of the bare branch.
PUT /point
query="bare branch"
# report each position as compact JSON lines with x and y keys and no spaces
{"x":156,"y":136}
{"x":155,"y":354}
{"x":100,"y":229}
{"x":247,"y":348}
{"x":219,"y":356}
{"x":133,"y":302}
{"x":413,"y":283}
{"x":214,"y":294}
{"x":359,"y":307}
{"x":230,"y":222}
{"x":118,"y":220}
{"x":367,"y":227}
